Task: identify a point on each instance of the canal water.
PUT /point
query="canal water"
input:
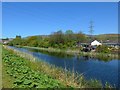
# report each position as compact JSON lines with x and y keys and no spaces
{"x":91,"y":68}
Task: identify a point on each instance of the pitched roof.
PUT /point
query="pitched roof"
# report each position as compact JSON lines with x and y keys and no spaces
{"x":95,"y":42}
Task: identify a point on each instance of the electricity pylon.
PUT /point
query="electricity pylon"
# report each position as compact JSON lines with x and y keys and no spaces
{"x":91,"y":30}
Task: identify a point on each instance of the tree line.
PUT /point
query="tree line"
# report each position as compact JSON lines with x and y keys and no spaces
{"x":58,"y":39}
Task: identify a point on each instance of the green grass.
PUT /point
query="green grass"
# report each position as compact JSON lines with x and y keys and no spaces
{"x":0,"y":65}
{"x":17,"y":74}
{"x":7,"y":80}
{"x":51,"y":76}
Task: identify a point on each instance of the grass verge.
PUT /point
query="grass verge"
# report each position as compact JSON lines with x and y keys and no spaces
{"x":18,"y":74}
{"x":65,"y":77}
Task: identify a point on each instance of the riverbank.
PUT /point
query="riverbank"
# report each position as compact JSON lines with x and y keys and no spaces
{"x":64,"y":76}
{"x":77,"y":53}
{"x":0,"y":66}
{"x":18,"y":74}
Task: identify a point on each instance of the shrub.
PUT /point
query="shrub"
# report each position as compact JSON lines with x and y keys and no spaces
{"x":102,"y":49}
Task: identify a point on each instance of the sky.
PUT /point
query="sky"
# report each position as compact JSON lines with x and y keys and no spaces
{"x":44,"y":18}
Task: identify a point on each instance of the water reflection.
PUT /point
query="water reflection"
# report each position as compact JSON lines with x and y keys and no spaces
{"x":58,"y":54}
{"x":104,"y":70}
{"x":84,"y":57}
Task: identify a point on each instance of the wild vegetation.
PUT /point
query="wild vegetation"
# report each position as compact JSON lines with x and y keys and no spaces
{"x":56,"y":40}
{"x":108,"y":37}
{"x":38,"y":74}
{"x":101,"y":54}
{"x":61,"y":40}
{"x":0,"y":65}
{"x":23,"y":73}
{"x":68,"y":43}
{"x":24,"y":76}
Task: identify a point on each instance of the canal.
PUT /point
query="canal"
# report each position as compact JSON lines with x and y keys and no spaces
{"x":91,"y":68}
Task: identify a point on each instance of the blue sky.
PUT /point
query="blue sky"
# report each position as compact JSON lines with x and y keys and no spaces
{"x":43,"y":18}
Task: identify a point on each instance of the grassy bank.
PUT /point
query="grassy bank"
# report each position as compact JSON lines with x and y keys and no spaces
{"x":51,"y":75}
{"x":0,"y":65}
{"x":18,"y":74}
{"x":78,"y":53}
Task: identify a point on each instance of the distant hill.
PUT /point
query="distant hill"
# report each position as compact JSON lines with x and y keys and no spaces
{"x":105,"y":38}
{"x":38,"y":36}
{"x":108,"y":38}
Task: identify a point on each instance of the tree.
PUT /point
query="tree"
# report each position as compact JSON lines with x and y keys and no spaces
{"x":57,"y":38}
{"x":69,"y":32}
{"x":80,"y":37}
{"x":16,"y":41}
{"x":33,"y":40}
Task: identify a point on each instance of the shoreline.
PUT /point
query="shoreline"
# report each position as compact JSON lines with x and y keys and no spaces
{"x":76,"y":52}
{"x":64,"y":76}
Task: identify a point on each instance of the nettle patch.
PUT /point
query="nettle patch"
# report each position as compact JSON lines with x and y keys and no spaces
{"x":24,"y":76}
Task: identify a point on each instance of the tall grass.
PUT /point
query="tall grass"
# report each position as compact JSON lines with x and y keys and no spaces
{"x":78,"y":53}
{"x":0,"y":66}
{"x":70,"y":79}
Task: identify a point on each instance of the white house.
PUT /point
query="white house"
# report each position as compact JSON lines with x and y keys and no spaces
{"x":95,"y":43}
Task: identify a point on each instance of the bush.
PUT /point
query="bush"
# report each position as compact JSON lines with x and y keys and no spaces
{"x":102,"y":49}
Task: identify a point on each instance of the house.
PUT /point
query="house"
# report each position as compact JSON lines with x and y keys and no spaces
{"x":95,"y":43}
{"x":7,"y":40}
{"x":114,"y":45}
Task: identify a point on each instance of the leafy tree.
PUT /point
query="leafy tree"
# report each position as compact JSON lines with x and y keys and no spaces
{"x":16,"y":41}
{"x":80,"y":37}
{"x":33,"y":40}
{"x":69,"y":32}
{"x":57,"y":38}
